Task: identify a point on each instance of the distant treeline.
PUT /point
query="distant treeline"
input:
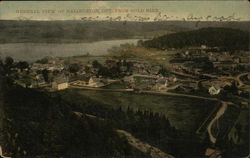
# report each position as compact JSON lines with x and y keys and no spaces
{"x":18,"y":31}
{"x":225,"y":38}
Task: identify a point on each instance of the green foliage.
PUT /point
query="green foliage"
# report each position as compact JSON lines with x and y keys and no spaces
{"x":82,"y":31}
{"x":45,"y":74}
{"x":229,"y":39}
{"x":22,"y":65}
{"x":123,"y":47}
{"x":42,"y":61}
{"x":8,"y":61}
{"x":74,"y":68}
{"x":41,"y":125}
{"x":151,"y":127}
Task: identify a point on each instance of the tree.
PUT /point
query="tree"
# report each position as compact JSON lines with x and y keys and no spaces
{"x":140,"y":43}
{"x":43,"y":60}
{"x":22,"y":65}
{"x":45,"y":74}
{"x":96,"y":64}
{"x":8,"y":62}
{"x":1,"y":67}
{"x":73,"y":68}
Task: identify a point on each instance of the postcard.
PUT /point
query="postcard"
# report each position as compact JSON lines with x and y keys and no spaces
{"x":124,"y":79}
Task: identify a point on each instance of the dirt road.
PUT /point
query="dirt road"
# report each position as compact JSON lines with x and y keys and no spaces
{"x":143,"y":147}
{"x":136,"y":143}
{"x":219,"y":113}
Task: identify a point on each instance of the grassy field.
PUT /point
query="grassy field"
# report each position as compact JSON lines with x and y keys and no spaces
{"x":183,"y":113}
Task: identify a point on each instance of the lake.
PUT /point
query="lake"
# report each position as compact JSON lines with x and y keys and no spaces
{"x":33,"y":51}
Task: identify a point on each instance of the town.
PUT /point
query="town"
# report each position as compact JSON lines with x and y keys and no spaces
{"x":205,"y":71}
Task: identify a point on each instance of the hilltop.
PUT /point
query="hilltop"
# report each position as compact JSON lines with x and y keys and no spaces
{"x":21,"y":31}
{"x":226,"y":38}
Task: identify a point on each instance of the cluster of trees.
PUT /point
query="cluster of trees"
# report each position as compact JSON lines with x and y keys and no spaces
{"x":9,"y":67}
{"x":9,"y":63}
{"x":114,"y":71}
{"x":122,"y":48}
{"x":153,"y":128}
{"x":39,"y":125}
{"x":225,"y":38}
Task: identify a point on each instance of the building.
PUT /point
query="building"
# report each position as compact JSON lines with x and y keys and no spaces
{"x":60,"y":83}
{"x":161,"y":84}
{"x":225,"y":58}
{"x":212,"y":153}
{"x":129,"y":79}
{"x":214,"y":90}
{"x":95,"y":82}
{"x":203,"y":47}
{"x":172,"y":78}
{"x":244,"y":60}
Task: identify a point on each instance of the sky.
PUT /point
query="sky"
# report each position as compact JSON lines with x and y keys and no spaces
{"x":131,"y":10}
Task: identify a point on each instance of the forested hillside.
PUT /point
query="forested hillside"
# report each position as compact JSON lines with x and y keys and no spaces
{"x":18,"y":31}
{"x":47,"y":127}
{"x":225,"y":38}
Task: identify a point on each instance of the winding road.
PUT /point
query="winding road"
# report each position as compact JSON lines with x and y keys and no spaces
{"x":219,"y":113}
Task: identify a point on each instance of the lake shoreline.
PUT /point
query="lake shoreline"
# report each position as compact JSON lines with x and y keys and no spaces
{"x":34,"y":51}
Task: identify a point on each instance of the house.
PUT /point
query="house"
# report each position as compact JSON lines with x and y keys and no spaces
{"x":38,"y":81}
{"x":212,"y":153}
{"x":161,"y":84}
{"x":214,"y":90}
{"x":177,"y":66}
{"x":236,"y":59}
{"x":129,"y":79}
{"x":60,"y":83}
{"x":111,"y":63}
{"x":197,"y":71}
{"x":155,"y":70}
{"x":95,"y":82}
{"x":172,"y":78}
{"x":80,"y":80}
{"x":55,"y":60}
{"x":217,"y":65}
{"x":225,"y":58}
{"x":20,"y":83}
{"x":244,"y":60}
{"x":123,"y":68}
{"x":143,"y":82}
{"x":212,"y":58}
{"x":248,"y":76}
{"x":203,"y":47}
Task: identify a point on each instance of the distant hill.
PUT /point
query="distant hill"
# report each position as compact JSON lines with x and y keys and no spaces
{"x":18,"y":31}
{"x":226,"y":38}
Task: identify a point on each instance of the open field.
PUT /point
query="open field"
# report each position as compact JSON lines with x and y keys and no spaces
{"x":183,"y":113}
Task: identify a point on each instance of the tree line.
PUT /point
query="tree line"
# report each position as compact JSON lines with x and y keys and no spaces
{"x":225,"y":38}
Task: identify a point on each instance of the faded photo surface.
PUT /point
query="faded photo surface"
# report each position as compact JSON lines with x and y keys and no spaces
{"x":123,"y":79}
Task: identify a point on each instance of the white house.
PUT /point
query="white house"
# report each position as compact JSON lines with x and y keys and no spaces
{"x":214,"y":90}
